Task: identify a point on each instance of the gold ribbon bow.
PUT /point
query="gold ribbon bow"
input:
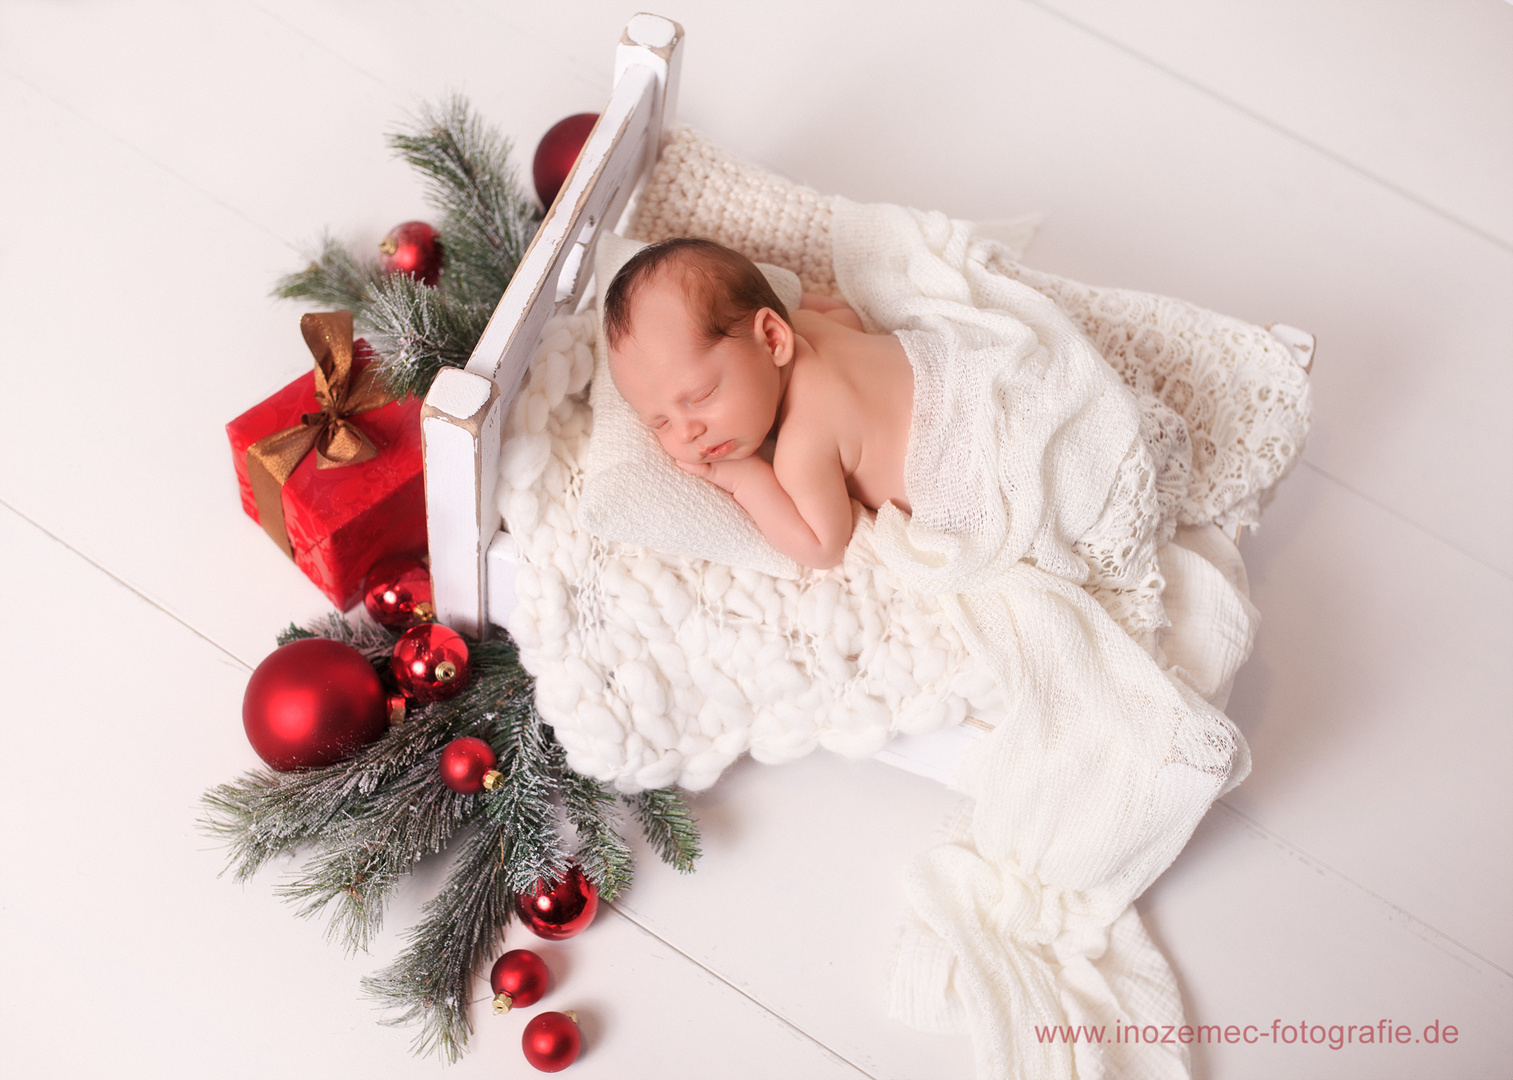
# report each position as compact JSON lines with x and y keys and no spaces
{"x":335,"y":439}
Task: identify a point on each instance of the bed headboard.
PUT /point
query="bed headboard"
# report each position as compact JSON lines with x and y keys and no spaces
{"x":462,"y":420}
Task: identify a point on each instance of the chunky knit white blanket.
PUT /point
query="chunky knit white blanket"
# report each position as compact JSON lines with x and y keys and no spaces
{"x":657,"y":669}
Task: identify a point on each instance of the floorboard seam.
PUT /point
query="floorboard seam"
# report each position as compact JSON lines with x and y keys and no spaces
{"x":88,"y":120}
{"x":45,"y":531}
{"x":321,"y":45}
{"x":1433,"y":935}
{"x":758,"y":1003}
{"x":1405,"y":519}
{"x":1261,"y":118}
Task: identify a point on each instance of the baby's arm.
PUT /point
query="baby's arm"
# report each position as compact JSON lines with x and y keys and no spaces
{"x":838,"y":310}
{"x":806,"y":513}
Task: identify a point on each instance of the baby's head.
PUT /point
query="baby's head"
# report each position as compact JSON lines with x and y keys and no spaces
{"x":699,"y":346}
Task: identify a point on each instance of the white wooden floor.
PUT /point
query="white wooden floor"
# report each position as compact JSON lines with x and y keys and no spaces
{"x":1344,"y":166}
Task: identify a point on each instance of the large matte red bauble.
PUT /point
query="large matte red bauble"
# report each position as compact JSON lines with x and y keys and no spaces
{"x":552,"y":1041}
{"x":311,"y":703}
{"x":412,"y":248}
{"x":397,"y":592}
{"x":557,"y":152}
{"x":467,"y":765}
{"x":561,"y":909}
{"x":519,"y":978}
{"x":430,"y":662}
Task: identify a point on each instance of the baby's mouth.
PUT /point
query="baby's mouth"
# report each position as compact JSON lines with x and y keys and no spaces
{"x":716,"y":452}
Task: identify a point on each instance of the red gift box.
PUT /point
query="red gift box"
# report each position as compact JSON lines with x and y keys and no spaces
{"x":341,"y":519}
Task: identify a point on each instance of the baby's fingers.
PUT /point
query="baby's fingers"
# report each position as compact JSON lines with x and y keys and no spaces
{"x":698,"y":468}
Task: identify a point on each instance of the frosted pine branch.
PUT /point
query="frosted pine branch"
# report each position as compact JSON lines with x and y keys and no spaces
{"x":669,"y":827}
{"x":417,"y":330}
{"x":487,"y":221}
{"x":334,"y":278}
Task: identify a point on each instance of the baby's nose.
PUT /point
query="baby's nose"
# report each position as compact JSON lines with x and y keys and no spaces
{"x":692,"y":429}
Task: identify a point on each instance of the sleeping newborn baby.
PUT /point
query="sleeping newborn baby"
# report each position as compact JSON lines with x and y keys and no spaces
{"x":715,"y":365}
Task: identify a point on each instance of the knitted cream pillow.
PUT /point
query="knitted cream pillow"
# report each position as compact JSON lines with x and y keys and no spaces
{"x":632,"y":491}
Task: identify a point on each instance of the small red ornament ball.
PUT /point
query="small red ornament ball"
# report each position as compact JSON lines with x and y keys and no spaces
{"x":412,"y":248}
{"x":557,"y":910}
{"x":311,"y":703}
{"x":397,"y":592}
{"x":557,"y":152}
{"x":552,"y":1041}
{"x":430,"y":662}
{"x":519,"y":978}
{"x":467,"y":765}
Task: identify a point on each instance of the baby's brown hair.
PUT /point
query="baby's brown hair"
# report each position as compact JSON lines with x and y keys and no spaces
{"x":724,"y":288}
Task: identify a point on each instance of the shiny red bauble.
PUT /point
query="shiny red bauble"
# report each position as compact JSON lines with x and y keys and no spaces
{"x":467,"y":766}
{"x":311,"y":703}
{"x":557,"y":152}
{"x":412,"y":248}
{"x":430,"y":662}
{"x":519,"y":978}
{"x":397,"y":592}
{"x":557,"y":910}
{"x":552,"y":1041}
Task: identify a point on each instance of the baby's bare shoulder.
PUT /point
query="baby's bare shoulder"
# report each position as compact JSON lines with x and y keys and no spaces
{"x":818,"y":420}
{"x":814,"y":404}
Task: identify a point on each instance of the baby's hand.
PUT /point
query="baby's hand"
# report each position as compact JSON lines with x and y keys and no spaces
{"x":725,"y":475}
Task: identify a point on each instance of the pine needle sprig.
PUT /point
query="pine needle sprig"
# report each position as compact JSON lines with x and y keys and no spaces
{"x":366,"y":856}
{"x":417,"y":330}
{"x":487,"y":221}
{"x":265,"y":814}
{"x":603,"y":854}
{"x":373,"y":641}
{"x":429,"y":983}
{"x":334,"y":278}
{"x":515,"y":844}
{"x":522,"y":807}
{"x":669,"y":827}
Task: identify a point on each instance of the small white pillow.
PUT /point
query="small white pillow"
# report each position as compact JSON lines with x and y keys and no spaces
{"x":632,"y":491}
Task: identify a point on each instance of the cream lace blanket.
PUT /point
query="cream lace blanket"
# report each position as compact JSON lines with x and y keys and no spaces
{"x":656,"y":669}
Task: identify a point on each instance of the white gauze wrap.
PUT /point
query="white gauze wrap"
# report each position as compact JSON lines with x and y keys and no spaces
{"x":1023,"y":441}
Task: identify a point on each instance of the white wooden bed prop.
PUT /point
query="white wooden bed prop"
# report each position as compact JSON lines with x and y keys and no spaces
{"x":472,"y":563}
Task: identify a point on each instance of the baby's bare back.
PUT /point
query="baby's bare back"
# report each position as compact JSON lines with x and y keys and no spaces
{"x":856,"y":389}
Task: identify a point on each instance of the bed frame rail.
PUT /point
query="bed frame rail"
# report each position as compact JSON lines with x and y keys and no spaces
{"x":463,"y":416}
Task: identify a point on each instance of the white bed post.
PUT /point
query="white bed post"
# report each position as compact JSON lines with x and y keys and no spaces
{"x":462,"y":421}
{"x":654,"y":42}
{"x":461,"y":425}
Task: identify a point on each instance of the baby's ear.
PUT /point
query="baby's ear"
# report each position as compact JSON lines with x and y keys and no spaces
{"x":776,"y":335}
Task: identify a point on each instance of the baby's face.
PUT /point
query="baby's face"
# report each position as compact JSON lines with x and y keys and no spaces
{"x":704,"y":403}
